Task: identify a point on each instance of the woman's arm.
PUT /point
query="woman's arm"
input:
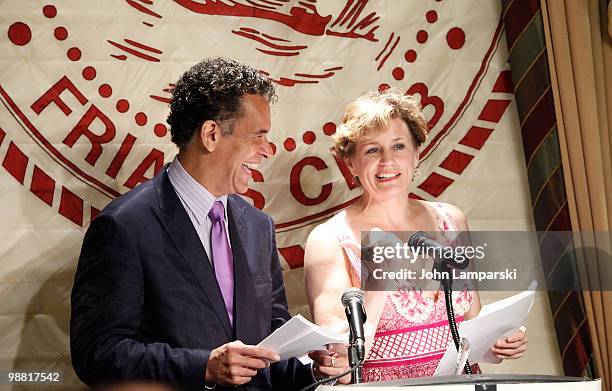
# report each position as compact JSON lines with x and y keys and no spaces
{"x":327,"y":276}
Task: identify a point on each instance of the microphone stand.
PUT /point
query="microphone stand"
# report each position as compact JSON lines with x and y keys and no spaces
{"x":354,"y":361}
{"x":447,"y":284}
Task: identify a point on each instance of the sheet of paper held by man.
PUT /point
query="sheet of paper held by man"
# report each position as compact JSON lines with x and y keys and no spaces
{"x":298,"y":336}
{"x":496,"y":320}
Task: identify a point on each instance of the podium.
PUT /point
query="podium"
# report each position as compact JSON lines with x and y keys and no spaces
{"x":480,"y":383}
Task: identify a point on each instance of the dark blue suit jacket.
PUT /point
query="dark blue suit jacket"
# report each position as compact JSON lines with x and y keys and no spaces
{"x":146,"y":304}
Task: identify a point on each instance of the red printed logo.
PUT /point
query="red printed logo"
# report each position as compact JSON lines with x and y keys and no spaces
{"x":84,"y":98}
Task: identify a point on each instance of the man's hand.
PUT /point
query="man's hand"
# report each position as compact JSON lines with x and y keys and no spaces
{"x":323,"y":360}
{"x":511,"y":347}
{"x":235,"y":363}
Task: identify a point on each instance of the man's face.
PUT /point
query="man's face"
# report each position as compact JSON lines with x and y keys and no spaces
{"x":238,"y":153}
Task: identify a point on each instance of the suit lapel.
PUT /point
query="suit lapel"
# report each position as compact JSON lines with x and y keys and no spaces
{"x":178,"y":225}
{"x":245,"y":298}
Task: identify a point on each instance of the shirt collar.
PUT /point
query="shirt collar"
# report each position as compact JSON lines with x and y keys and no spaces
{"x":194,"y":196}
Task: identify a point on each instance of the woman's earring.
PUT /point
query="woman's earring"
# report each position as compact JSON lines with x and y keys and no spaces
{"x":415,"y":173}
{"x":355,"y":180}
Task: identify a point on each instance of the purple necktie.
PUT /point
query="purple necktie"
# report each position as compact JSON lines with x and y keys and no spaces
{"x":222,"y":257}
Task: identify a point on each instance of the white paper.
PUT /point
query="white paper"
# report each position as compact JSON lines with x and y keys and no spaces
{"x":494,"y":321}
{"x":298,"y":336}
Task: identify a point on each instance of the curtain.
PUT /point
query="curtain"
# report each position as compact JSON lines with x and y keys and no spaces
{"x":523,"y":22}
{"x":579,"y":44}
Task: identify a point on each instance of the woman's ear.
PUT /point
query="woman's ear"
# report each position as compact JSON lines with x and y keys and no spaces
{"x":210,"y":133}
{"x":348,"y":161}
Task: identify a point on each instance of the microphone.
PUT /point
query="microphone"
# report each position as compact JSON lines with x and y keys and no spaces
{"x":421,"y":239}
{"x":352,"y":300}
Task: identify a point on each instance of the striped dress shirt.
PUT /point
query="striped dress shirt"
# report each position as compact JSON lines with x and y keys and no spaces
{"x":197,"y":201}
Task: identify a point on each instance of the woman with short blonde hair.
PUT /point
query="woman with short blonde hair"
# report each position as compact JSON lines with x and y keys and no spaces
{"x":379,"y":141}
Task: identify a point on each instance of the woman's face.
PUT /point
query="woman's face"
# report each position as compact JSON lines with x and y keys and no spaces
{"x":385,"y":163}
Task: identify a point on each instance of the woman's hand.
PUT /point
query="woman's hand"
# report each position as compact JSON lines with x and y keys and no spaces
{"x":331,"y":362}
{"x":511,"y":347}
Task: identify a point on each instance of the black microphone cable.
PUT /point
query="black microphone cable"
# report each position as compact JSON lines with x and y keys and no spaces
{"x":422,"y":239}
{"x":452,"y":323}
{"x":325,"y":380}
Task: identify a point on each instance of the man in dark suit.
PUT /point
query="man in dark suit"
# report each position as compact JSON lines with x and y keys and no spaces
{"x":179,"y":279}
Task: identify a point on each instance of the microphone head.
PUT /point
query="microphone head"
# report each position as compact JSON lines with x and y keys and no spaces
{"x":418,"y":239}
{"x":352,"y":294}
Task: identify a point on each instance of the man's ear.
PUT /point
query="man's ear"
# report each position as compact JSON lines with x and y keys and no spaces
{"x":209,"y":133}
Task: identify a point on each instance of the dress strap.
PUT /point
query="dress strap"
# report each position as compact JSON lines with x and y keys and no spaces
{"x":446,"y":223}
{"x":444,"y":219}
{"x":350,"y":246}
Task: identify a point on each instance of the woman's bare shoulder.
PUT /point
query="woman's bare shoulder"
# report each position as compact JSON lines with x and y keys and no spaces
{"x":322,"y":244}
{"x":322,"y":233}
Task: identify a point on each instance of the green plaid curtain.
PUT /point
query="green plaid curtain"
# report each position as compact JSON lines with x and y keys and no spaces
{"x":534,"y":100}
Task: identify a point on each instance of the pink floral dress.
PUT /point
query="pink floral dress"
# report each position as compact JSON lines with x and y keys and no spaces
{"x":413,"y":333}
